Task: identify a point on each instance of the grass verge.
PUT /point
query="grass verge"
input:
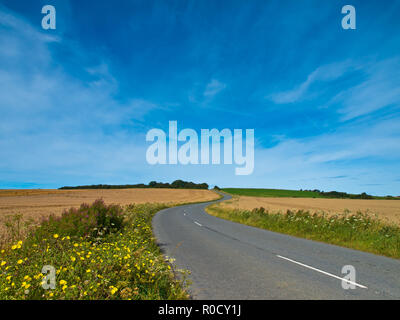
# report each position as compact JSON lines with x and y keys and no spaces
{"x":357,"y":231}
{"x":98,"y":252}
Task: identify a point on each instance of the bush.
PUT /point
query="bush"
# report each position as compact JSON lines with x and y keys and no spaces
{"x":95,"y":221}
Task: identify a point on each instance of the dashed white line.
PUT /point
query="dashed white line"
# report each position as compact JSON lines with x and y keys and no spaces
{"x":323,"y":272}
{"x":198,"y":223}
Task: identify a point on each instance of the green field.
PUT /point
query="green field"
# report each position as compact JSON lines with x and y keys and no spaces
{"x":272,"y":193}
{"x":301,"y":194}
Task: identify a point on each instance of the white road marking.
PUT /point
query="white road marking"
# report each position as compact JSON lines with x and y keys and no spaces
{"x":323,"y":272}
{"x":198,"y":223}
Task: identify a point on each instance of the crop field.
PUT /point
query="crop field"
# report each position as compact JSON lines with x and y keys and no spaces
{"x":272,"y":193}
{"x":385,"y":210}
{"x":34,"y":204}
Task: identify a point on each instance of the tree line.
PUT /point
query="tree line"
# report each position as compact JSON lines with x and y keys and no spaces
{"x":345,"y":195}
{"x":177,"y":184}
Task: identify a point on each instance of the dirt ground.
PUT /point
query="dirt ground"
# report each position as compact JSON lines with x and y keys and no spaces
{"x":37,"y":203}
{"x":386,"y":210}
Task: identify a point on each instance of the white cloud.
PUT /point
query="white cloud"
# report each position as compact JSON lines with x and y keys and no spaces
{"x":364,"y":155}
{"x":380,"y":89}
{"x":54,"y":125}
{"x":324,"y":73}
{"x":213,"y":88}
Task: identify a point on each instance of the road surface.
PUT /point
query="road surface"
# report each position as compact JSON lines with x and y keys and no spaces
{"x":228,"y":260}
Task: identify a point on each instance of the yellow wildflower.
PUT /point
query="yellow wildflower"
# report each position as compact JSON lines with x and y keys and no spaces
{"x":113,"y":290}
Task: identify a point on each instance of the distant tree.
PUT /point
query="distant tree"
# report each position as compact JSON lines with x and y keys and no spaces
{"x":177,"y":184}
{"x":152,"y":184}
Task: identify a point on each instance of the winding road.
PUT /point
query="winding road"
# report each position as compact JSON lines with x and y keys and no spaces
{"x":232,"y":261}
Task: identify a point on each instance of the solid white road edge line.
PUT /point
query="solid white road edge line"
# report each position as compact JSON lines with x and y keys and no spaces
{"x":323,"y":272}
{"x":198,"y":223}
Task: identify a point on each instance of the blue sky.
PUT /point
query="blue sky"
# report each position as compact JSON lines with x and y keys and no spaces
{"x":77,"y":102}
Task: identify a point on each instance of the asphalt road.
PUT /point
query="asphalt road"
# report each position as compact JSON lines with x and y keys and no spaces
{"x":228,"y":260}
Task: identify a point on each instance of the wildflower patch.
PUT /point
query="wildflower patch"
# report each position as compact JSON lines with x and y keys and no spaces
{"x":91,"y":263}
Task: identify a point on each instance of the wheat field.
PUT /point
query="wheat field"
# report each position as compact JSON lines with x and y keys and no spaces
{"x":41,"y":203}
{"x":386,"y":210}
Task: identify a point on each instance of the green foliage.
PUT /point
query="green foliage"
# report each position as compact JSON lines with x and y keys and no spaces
{"x":344,"y":195}
{"x":358,"y":231}
{"x":177,"y":184}
{"x":88,"y":220}
{"x":302,"y":194}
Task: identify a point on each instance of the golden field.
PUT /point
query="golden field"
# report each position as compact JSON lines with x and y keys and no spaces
{"x":386,"y":210}
{"x":37,"y":203}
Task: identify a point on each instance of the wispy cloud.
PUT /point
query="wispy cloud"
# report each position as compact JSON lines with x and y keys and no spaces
{"x":337,"y":177}
{"x":380,"y":89}
{"x":71,"y":122}
{"x":213,"y":88}
{"x":333,"y":160}
{"x":203,"y":94}
{"x":324,"y":73}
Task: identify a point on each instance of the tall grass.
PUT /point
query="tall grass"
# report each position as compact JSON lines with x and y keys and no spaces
{"x":358,"y":231}
{"x":98,"y":252}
